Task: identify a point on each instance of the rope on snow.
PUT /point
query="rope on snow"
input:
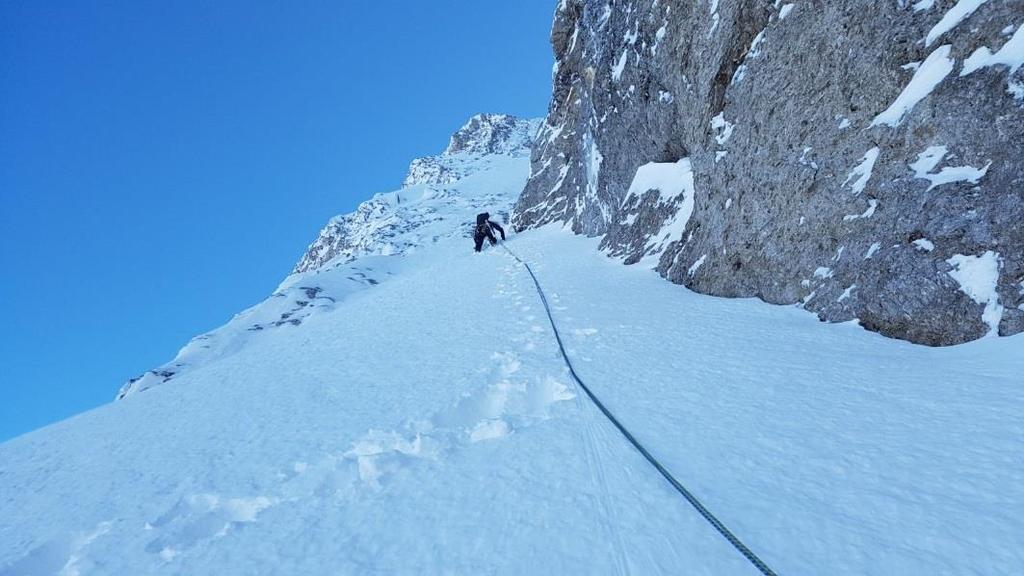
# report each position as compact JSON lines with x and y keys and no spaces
{"x":715,"y":522}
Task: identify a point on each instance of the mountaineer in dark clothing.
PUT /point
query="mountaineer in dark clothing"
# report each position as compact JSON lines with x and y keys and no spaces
{"x":483,"y":230}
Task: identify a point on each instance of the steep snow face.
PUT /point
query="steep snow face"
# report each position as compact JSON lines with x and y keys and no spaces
{"x":427,"y":426}
{"x":482,"y":173}
{"x":797,"y":158}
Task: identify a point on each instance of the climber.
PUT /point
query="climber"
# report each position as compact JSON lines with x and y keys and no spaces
{"x":483,"y":230}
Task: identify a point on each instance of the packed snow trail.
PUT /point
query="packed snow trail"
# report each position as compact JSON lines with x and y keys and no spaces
{"x":427,"y":425}
{"x":715,"y":522}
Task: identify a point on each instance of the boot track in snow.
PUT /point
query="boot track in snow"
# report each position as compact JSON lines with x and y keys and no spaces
{"x":714,"y":521}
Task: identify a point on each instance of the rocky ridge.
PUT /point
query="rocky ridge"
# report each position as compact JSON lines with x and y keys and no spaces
{"x":380,"y":225}
{"x":483,"y":168}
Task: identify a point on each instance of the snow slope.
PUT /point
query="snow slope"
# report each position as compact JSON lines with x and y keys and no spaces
{"x":399,"y":406}
{"x":484,"y":167}
{"x":428,"y":426}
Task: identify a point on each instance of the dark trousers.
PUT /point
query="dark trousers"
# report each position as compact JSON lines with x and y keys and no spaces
{"x":478,"y":238}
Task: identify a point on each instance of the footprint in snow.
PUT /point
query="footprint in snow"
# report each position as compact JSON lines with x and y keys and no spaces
{"x":489,"y":430}
{"x":510,"y":402}
{"x":333,"y":476}
{"x":65,"y":555}
{"x":201,"y":517}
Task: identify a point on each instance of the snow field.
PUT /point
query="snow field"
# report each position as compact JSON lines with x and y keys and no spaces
{"x":825,"y":448}
{"x":427,"y":425}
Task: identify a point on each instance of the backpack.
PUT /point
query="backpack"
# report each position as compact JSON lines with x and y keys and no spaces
{"x":481,"y":223}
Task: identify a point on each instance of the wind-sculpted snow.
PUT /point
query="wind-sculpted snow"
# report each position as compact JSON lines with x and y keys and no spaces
{"x":428,"y":426}
{"x":484,"y":169}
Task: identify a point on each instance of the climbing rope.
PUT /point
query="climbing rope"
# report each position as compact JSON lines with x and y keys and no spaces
{"x":715,"y":522}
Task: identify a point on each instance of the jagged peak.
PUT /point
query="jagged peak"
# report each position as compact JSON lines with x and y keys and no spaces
{"x":481,"y":135}
{"x":493,"y":134}
{"x":369,"y":229}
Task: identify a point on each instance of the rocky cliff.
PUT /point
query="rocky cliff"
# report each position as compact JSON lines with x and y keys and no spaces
{"x":864,"y":160}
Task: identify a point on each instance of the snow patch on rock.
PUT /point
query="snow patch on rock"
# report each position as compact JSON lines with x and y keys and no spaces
{"x":862,"y":172}
{"x":932,"y":71}
{"x":872,"y":206}
{"x":620,"y":65}
{"x":978,"y":277}
{"x":924,"y":244}
{"x":722,"y":127}
{"x":823,"y":272}
{"x":846,"y":293}
{"x":872,"y":249}
{"x":674,"y":183}
{"x":952,"y":18}
{"x":932,"y":156}
{"x":1010,"y":55}
{"x":696,"y":265}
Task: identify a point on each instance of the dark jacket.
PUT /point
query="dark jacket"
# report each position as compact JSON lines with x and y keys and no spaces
{"x":484,"y":225}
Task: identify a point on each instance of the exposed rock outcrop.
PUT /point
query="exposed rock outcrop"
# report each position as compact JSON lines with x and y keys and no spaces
{"x":863,"y":160}
{"x":380,"y":225}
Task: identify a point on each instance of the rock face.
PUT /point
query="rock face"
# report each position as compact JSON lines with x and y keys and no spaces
{"x":862,"y":160}
{"x":380,"y":225}
{"x":493,"y":134}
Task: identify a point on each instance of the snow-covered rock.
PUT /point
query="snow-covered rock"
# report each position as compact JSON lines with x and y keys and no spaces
{"x":799,"y":122}
{"x":494,"y":134}
{"x":384,"y":224}
{"x":483,"y":134}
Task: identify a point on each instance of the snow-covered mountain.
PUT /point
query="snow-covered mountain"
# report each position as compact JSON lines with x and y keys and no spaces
{"x":483,"y":169}
{"x":403,"y":405}
{"x":422,"y":211}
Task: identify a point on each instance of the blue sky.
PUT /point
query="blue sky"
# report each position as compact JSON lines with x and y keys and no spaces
{"x":163,"y":165}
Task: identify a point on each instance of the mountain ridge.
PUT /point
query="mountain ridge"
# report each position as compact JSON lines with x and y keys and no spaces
{"x":361,"y":249}
{"x":367,"y":229}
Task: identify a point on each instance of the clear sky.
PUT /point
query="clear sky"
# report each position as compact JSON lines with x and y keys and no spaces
{"x":164,"y":164}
